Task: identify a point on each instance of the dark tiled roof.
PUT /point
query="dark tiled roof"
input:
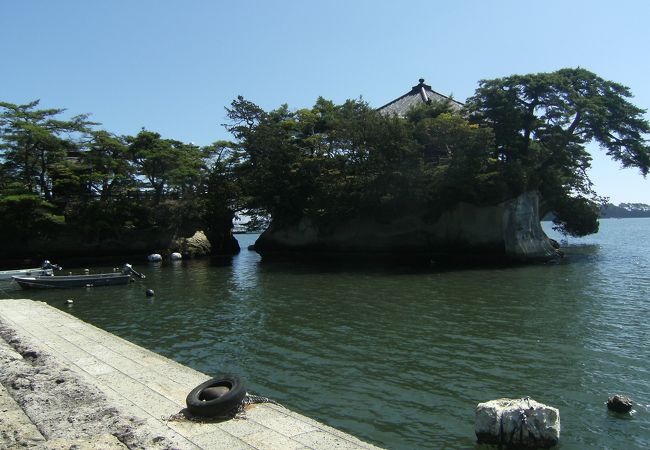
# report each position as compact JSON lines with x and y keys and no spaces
{"x":420,"y":93}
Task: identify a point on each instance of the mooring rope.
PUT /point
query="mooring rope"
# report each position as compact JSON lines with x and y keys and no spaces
{"x":238,"y":412}
{"x":251,"y":399}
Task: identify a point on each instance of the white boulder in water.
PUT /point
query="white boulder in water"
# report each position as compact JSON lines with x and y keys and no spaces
{"x":154,"y":257}
{"x":175,"y":256}
{"x":523,"y":423}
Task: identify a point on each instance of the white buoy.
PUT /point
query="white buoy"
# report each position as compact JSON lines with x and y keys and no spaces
{"x":176,"y":256}
{"x":154,"y":257}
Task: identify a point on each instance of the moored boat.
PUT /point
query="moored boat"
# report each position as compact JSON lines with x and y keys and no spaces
{"x":47,"y":269}
{"x":72,"y":281}
{"x":34,"y":272}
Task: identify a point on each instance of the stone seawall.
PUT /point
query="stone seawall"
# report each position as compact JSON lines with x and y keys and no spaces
{"x":67,"y":384}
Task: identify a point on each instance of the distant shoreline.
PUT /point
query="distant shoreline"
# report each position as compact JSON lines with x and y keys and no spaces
{"x":625,"y":210}
{"x":622,"y":211}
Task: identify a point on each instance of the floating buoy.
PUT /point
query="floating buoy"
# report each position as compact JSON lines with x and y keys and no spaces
{"x":154,"y":257}
{"x":175,"y":256}
{"x":69,"y":301}
{"x":149,"y":292}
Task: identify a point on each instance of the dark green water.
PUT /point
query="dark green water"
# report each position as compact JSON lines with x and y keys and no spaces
{"x":400,"y":357}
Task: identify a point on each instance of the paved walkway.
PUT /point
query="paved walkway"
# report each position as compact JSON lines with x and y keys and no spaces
{"x":148,"y":387}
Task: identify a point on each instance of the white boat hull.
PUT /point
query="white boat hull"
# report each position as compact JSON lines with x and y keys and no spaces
{"x":35,"y":272}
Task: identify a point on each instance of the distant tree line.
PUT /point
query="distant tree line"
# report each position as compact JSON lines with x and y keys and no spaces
{"x":58,"y":174}
{"x":625,"y":210}
{"x":620,"y":211}
{"x":328,"y":163}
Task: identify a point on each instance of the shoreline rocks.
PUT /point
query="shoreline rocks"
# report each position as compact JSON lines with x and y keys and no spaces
{"x":620,"y":404}
{"x":194,"y":246}
{"x":68,"y":245}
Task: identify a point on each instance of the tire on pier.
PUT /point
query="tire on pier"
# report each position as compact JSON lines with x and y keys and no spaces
{"x":216,"y":397}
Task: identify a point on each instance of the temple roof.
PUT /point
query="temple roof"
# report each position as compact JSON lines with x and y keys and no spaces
{"x":420,"y":93}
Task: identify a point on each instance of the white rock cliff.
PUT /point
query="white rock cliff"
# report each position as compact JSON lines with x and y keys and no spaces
{"x":510,"y":229}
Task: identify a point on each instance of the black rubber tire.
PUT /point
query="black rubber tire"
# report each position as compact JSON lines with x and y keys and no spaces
{"x":220,"y":406}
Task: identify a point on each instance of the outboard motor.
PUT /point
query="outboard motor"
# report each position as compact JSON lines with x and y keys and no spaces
{"x":127,"y":269}
{"x":48,"y":265}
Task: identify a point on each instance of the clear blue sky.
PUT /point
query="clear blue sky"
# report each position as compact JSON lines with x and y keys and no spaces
{"x":172,"y":66}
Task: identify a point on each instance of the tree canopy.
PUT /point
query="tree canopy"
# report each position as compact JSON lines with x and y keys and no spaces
{"x":542,"y":124}
{"x":58,"y":174}
{"x":516,"y":134}
{"x":335,"y":162}
{"x":329,"y":163}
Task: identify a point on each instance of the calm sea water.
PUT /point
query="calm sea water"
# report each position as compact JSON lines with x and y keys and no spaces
{"x":400,"y":357}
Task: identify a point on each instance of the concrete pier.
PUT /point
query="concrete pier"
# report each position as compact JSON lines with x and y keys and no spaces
{"x":66,"y":383}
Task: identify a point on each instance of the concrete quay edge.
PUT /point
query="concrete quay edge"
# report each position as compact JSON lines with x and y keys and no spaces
{"x":139,"y":393}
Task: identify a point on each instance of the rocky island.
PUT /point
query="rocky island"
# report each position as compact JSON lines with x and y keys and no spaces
{"x":429,"y":177}
{"x":423,"y":176}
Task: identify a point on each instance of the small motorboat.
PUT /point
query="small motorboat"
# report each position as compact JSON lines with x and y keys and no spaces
{"x":46,"y":269}
{"x":73,"y":281}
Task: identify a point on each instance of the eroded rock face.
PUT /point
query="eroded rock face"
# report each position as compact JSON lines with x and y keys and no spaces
{"x":223,"y":242}
{"x":509,"y":230}
{"x":194,"y":246}
{"x":523,"y":423}
{"x":522,"y":231}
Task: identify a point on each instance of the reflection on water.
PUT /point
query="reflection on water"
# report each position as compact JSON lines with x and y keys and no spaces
{"x":400,"y":356}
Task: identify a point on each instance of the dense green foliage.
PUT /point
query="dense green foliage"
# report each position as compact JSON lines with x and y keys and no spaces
{"x":542,"y":123}
{"x":328,"y":163}
{"x":65,"y":174}
{"x":336,"y":162}
{"x":521,"y":133}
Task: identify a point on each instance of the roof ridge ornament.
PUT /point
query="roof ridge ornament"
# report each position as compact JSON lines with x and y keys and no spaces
{"x":423,"y":91}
